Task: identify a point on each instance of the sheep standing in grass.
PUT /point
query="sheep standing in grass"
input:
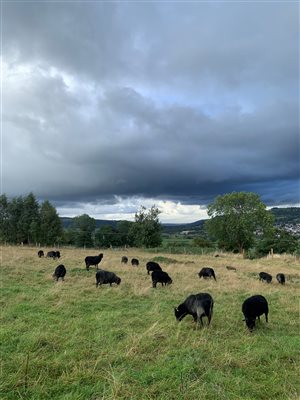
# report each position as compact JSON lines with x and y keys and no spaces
{"x":93,"y":260}
{"x":60,"y":272}
{"x":280,"y":278}
{"x":160,"y":277}
{"x":265,"y":277}
{"x":106,"y":277}
{"x":51,"y":254}
{"x":198,"y":305}
{"x":207,"y":272}
{"x":152,"y":266}
{"x":253,"y":308}
{"x":135,"y":262}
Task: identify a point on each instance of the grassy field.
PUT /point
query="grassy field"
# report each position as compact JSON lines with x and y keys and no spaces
{"x":71,"y":341}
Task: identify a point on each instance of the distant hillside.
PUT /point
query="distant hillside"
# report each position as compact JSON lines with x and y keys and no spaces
{"x":289,"y":215}
{"x":67,"y":221}
{"x":194,"y":227}
{"x":167,"y":228}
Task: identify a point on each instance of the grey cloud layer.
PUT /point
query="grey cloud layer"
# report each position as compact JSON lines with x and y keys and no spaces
{"x":181,"y":101}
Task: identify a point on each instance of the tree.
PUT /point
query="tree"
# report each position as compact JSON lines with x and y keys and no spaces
{"x":146,"y":230}
{"x":201,"y":241}
{"x":106,"y":236}
{"x":29,"y":223}
{"x":4,"y":218}
{"x":15,"y":231}
{"x":51,"y":230}
{"x":235,"y":217}
{"x":278,"y":241}
{"x":82,"y":229}
{"x":123,"y":228}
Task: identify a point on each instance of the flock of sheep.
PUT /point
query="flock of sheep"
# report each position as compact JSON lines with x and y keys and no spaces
{"x":198,"y":305}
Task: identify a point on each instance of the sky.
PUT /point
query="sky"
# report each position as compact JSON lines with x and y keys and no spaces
{"x":107,"y":106}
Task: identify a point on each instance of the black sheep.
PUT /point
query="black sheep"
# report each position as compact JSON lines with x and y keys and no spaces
{"x":152,"y":266}
{"x":135,"y":262}
{"x":207,"y":272}
{"x":40,"y":253}
{"x":198,"y":305}
{"x":92,"y":260}
{"x":280,"y":278}
{"x":264,"y":276}
{"x":124,"y":260}
{"x":60,"y":272}
{"x":104,"y":277}
{"x":51,"y":254}
{"x":160,"y":277}
{"x":253,"y":308}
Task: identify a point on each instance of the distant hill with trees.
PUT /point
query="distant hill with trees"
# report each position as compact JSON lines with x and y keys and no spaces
{"x":288,"y":215}
{"x":68,"y":221}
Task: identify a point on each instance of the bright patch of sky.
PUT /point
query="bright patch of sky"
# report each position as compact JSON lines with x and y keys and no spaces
{"x":125,"y":209}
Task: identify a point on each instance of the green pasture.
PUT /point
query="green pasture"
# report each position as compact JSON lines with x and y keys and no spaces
{"x":70,"y":341}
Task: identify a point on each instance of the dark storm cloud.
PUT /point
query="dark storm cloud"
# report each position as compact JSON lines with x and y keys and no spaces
{"x":181,"y":101}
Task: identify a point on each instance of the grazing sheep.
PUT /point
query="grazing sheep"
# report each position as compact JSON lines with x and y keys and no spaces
{"x":198,"y":305}
{"x":105,"y":277}
{"x":152,"y":266}
{"x":60,"y":272}
{"x":57,"y":254}
{"x":124,"y":260}
{"x":253,"y":308}
{"x":264,"y":276}
{"x":207,"y":272}
{"x":280,"y":278}
{"x":41,"y":253}
{"x":92,"y":260}
{"x":51,"y":254}
{"x":160,"y":277}
{"x":135,"y":262}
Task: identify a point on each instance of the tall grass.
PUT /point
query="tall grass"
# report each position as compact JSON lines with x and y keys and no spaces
{"x":71,"y":341}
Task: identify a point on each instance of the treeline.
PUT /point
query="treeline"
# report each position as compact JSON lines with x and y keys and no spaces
{"x":239,"y":223}
{"x":145,"y":231}
{"x":24,"y":220}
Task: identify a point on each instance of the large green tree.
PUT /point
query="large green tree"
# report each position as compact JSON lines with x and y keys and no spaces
{"x":235,"y":218}
{"x":51,"y":231}
{"x":278,"y":241}
{"x":4,"y":218}
{"x":15,"y":231}
{"x":82,"y":230}
{"x":123,"y":228}
{"x":106,"y":236}
{"x":29,"y":223}
{"x":146,"y":230}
